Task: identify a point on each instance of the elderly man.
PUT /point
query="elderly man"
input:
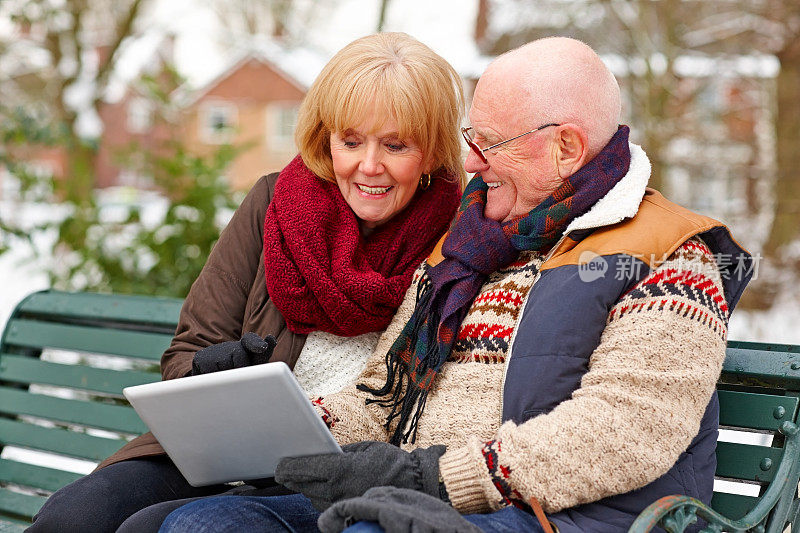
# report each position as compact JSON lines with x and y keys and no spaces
{"x":560,"y":349}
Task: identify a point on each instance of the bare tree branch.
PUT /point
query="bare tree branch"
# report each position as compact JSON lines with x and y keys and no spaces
{"x":124,"y":28}
{"x":382,"y":15}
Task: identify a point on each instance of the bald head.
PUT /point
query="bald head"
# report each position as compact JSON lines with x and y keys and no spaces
{"x":556,"y":79}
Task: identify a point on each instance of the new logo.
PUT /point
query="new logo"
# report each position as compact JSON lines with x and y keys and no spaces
{"x":591,"y":266}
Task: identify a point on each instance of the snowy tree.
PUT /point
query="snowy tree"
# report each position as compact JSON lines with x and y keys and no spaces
{"x":660,"y":43}
{"x":774,"y":26}
{"x":245,"y":22}
{"x":57,"y":61}
{"x":248,"y":22}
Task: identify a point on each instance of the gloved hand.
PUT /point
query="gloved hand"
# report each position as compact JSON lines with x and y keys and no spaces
{"x":397,"y":511}
{"x":328,"y":478}
{"x":247,"y":351}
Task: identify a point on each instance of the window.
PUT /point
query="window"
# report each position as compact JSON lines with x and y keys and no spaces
{"x":218,"y":121}
{"x":140,"y":115}
{"x":281,"y":121}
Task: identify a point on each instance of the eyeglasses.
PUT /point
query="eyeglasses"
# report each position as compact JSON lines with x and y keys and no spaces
{"x":480,"y":152}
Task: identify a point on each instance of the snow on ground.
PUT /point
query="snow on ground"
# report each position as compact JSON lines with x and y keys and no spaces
{"x":20,"y":272}
{"x":19,"y":278}
{"x":779,"y":324}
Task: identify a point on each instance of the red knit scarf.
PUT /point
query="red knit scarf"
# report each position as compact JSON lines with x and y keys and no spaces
{"x":323,"y":275}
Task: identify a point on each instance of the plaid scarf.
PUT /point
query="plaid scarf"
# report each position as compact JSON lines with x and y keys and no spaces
{"x":475,"y":248}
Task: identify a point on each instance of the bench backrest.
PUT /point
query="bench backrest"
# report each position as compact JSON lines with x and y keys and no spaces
{"x":64,"y":360}
{"x":759,"y":394}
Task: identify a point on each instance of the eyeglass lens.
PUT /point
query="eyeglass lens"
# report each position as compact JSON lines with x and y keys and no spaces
{"x":467,"y":134}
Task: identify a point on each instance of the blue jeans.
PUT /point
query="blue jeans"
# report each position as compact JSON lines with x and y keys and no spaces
{"x":254,"y":514}
{"x":294,"y":514}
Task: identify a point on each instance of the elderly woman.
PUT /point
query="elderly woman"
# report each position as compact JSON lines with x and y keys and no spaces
{"x":313,"y":264}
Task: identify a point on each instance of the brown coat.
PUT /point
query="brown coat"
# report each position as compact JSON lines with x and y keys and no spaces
{"x":228,"y":298}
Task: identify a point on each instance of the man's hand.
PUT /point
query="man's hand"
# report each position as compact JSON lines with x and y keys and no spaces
{"x":397,"y":511}
{"x":328,"y":478}
{"x":249,"y":350}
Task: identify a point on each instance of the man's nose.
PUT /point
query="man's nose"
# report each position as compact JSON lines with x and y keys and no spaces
{"x":371,"y":164}
{"x":474,"y":163}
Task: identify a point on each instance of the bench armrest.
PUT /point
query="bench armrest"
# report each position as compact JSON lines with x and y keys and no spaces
{"x":676,"y":513}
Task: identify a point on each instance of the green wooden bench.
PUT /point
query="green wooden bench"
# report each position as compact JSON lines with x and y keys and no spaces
{"x":759,"y":392}
{"x":64,"y":360}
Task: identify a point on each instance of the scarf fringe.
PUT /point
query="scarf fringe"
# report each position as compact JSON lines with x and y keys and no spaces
{"x":398,"y":375}
{"x":394,"y":365}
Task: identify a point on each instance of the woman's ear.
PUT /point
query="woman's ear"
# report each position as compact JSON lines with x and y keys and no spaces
{"x":572,"y":149}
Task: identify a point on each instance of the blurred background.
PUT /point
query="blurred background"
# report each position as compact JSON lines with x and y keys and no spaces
{"x":132,"y":128}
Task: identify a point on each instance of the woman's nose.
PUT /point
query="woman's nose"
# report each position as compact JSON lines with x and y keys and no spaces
{"x":371,"y":164}
{"x":474,"y":164}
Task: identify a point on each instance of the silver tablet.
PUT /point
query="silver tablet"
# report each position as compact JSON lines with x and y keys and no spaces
{"x":232,"y":425}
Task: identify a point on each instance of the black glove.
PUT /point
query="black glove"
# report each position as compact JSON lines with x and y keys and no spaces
{"x":247,"y":351}
{"x":397,"y":511}
{"x":328,"y":478}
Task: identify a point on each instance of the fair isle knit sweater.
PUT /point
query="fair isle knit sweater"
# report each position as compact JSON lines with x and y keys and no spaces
{"x":638,"y":406}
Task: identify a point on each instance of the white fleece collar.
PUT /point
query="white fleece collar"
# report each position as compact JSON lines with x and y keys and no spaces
{"x":623,"y":200}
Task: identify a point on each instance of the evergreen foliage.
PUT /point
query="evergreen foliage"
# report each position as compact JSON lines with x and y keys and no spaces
{"x":115,"y":248}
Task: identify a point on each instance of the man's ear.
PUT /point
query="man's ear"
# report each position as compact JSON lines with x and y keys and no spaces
{"x":572,"y":149}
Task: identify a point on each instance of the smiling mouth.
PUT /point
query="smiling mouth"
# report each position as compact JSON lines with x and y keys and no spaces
{"x":493,"y":184}
{"x":374,"y":190}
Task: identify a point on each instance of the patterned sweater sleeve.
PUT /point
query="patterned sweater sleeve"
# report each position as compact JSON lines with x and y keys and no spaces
{"x":637,"y":409}
{"x":345,"y":412}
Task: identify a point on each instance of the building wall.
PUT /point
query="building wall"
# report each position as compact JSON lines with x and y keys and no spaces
{"x":255,"y":94}
{"x":114,"y":137}
{"x":124,"y":135}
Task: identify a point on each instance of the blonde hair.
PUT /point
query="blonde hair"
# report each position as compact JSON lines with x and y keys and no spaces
{"x":396,"y":74}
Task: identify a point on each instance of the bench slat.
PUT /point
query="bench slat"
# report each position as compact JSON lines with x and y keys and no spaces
{"x":22,"y":369}
{"x":57,"y":440}
{"x":36,"y":334}
{"x":755,"y":411}
{"x":94,"y":414}
{"x":138,"y":327}
{"x":744,"y":461}
{"x":7,"y":525}
{"x":732,"y":506}
{"x":20,"y":504}
{"x":159,"y":311}
{"x":35,"y":476}
{"x":771,"y":362}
